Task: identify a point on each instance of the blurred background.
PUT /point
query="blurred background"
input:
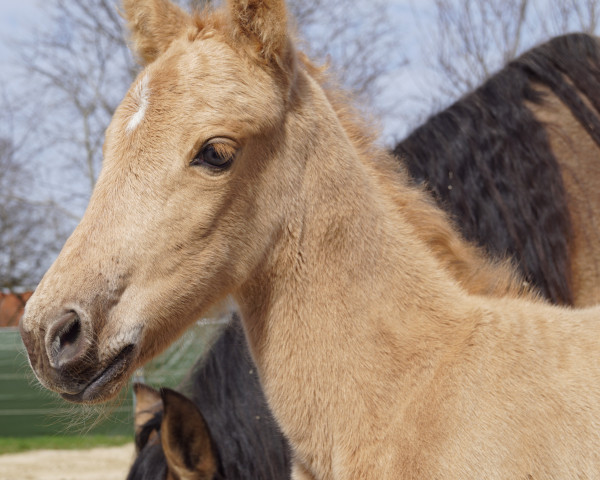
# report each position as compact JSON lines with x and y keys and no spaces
{"x":65,"y":66}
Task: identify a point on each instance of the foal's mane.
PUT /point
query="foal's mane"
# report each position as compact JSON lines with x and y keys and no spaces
{"x":468,"y":264}
{"x":509,"y":194}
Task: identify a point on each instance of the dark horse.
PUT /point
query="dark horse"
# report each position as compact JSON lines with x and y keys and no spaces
{"x":225,"y":431}
{"x":515,"y":162}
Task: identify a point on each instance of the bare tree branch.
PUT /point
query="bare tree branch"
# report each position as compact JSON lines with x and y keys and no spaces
{"x":29,"y":232}
{"x":75,"y":71}
{"x":477,"y":37}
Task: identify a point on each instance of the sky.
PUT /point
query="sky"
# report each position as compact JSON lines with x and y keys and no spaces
{"x":16,"y":14}
{"x":413,"y":84}
{"x":408,"y":96}
{"x":18,"y":18}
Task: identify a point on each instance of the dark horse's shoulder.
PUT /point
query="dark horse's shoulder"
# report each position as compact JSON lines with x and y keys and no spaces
{"x":488,"y":160}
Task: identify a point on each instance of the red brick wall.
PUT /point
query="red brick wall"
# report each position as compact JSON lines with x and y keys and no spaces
{"x":11,"y":308}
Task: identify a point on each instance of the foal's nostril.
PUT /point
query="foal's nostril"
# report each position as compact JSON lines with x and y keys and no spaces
{"x":67,"y":342}
{"x":69,"y":335}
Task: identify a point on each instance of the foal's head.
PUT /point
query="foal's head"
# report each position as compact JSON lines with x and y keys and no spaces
{"x":200,"y":168}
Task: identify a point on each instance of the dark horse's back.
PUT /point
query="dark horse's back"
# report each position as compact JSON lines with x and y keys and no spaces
{"x":488,"y":160}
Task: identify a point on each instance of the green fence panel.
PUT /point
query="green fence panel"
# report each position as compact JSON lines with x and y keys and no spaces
{"x":27,"y":409}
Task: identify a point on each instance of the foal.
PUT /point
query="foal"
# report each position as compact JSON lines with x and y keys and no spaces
{"x":466,"y":154}
{"x":229,"y":169}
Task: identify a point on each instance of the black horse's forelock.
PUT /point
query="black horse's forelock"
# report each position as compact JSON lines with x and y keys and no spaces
{"x":488,"y":160}
{"x":224,"y":386}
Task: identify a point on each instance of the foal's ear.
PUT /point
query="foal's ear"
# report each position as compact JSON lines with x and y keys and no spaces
{"x":185,"y":438}
{"x":153,"y":25}
{"x":263,"y":22}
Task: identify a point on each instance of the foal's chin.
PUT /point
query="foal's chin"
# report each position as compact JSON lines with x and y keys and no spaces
{"x":71,"y":363}
{"x":108,"y":379}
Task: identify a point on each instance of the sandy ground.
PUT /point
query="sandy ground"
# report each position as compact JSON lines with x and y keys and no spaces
{"x":109,"y":463}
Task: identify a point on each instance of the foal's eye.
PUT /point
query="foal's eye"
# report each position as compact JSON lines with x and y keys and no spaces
{"x":214,"y":155}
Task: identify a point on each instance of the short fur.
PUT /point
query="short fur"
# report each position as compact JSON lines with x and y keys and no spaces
{"x":263,"y":22}
{"x":376,"y":362}
{"x":436,"y":151}
{"x":153,"y":25}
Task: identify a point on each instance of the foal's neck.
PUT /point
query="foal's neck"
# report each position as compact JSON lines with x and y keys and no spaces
{"x":347,"y":285}
{"x":345,"y":238}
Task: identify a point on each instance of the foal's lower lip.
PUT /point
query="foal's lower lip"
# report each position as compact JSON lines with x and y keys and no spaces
{"x":94,"y":390}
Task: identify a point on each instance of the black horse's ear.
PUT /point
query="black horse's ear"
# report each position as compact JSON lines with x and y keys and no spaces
{"x":185,"y":438}
{"x":148,"y":403}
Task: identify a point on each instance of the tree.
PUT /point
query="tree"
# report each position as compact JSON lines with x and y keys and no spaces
{"x":79,"y":68}
{"x":75,"y":71}
{"x":475,"y":38}
{"x":357,"y":39}
{"x":582,"y":15}
{"x":29,"y":229}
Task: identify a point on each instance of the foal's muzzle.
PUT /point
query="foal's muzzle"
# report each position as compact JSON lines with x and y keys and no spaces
{"x":65,"y":359}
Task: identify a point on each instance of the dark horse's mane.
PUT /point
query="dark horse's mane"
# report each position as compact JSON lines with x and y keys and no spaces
{"x":224,"y":386}
{"x":488,"y":161}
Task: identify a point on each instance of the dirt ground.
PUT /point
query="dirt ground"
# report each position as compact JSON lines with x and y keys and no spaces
{"x":107,"y":463}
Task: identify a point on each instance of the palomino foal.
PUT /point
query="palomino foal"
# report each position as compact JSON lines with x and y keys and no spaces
{"x":229,"y":169}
